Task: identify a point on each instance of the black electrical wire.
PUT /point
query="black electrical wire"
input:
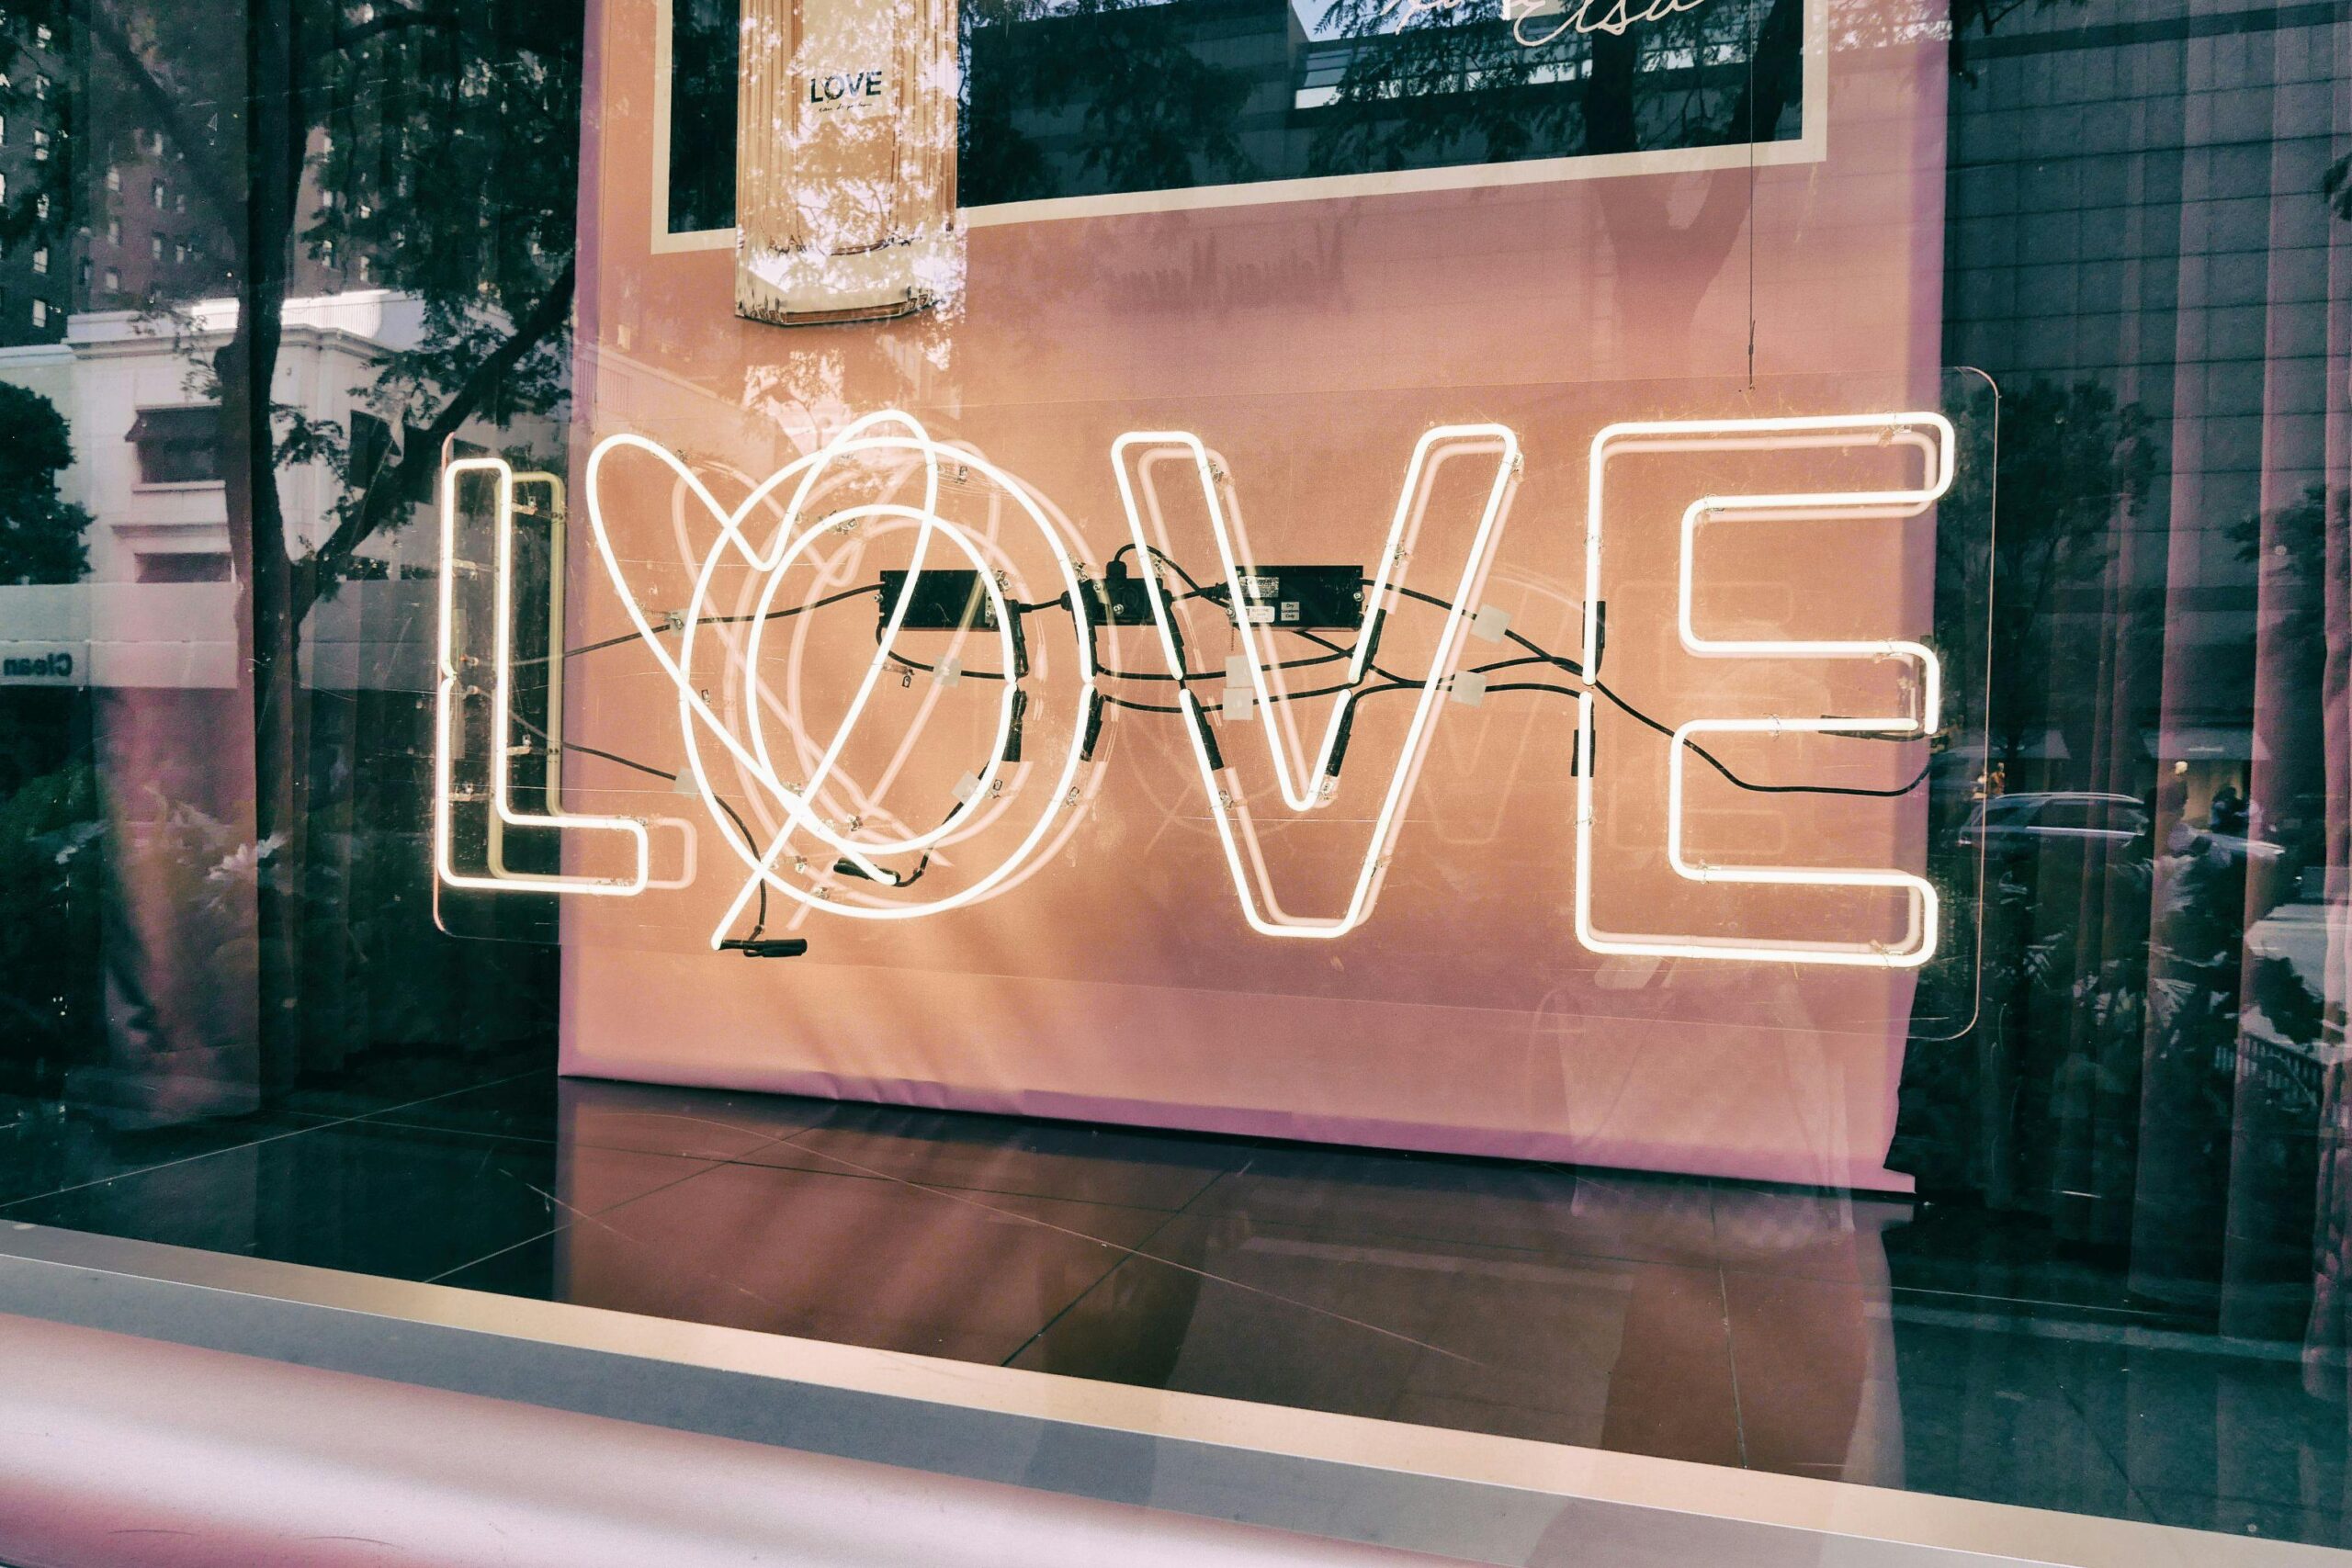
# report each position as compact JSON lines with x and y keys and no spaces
{"x":912,"y":877}
{"x":1570,"y":665}
{"x":1917,"y":780}
{"x":1164,"y":559}
{"x":759,"y":920}
{"x":576,"y":652}
{"x":1339,"y":653}
{"x":711,"y":621}
{"x":1711,"y":760}
{"x":1334,"y":652}
{"x":607,"y":756}
{"x":901,"y":659}
{"x":842,"y":597}
{"x":1335,"y":655}
{"x":1332,"y":658}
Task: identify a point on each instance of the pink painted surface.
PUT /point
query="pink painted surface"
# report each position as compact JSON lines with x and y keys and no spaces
{"x":1309,"y":344}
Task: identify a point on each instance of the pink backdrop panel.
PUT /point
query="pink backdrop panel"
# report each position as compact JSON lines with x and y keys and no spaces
{"x":1309,"y":344}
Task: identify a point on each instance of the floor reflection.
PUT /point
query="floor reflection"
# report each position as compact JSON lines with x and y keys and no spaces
{"x":1881,"y":1342}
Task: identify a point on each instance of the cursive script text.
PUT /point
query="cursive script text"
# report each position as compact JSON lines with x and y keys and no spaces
{"x":1615,"y":16}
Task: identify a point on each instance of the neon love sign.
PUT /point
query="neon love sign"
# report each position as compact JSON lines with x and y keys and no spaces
{"x":787,"y":786}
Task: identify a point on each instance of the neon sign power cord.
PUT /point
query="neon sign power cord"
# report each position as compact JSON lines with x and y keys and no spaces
{"x":1333,"y":653}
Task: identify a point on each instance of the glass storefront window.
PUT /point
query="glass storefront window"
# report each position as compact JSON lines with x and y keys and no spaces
{"x":1617,"y":722}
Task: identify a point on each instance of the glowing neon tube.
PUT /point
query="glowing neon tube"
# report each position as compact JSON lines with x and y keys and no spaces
{"x":753,"y":759}
{"x":502,"y":709}
{"x":1301,"y":788}
{"x":1928,"y":433}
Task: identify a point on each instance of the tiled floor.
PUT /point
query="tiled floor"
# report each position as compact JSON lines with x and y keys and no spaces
{"x":1875,"y":1341}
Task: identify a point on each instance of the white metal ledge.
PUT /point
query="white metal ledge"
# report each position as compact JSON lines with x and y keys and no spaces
{"x":1456,"y":1495}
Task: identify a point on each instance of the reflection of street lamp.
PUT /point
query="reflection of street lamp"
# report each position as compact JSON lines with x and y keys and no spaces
{"x":845,"y":160}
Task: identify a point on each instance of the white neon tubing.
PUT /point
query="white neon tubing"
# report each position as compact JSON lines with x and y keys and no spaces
{"x":1815,"y":433}
{"x":915,"y":842}
{"x":789,"y":546}
{"x":552,"y":775}
{"x":445,"y":716}
{"x":924,"y":520}
{"x":1920,"y":909}
{"x":692,"y":706}
{"x":1236,"y":835}
{"x":1072,"y":547}
{"x":1241,"y":550}
{"x":763,"y":866}
{"x":1411,"y":757}
{"x":986,"y":808}
{"x":955,"y":821}
{"x":765,"y":701}
{"x":867,"y":802}
{"x":695,"y":714}
{"x":822,"y":772}
{"x":558,"y":554}
{"x":807,"y":469}
{"x":971,"y":823}
{"x":494,"y":845}
{"x":964,"y":823}
{"x":1263,"y":910}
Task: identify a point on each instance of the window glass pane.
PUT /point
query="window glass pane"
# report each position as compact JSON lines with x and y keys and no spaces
{"x":1615,"y":722}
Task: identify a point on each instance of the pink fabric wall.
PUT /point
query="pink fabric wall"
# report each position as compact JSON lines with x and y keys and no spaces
{"x":1310,"y":342}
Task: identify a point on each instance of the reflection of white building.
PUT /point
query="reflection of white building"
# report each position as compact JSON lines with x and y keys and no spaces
{"x":2304,"y":934}
{"x":159,"y":607}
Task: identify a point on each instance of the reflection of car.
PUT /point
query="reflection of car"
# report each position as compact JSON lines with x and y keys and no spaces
{"x":2051,"y":817}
